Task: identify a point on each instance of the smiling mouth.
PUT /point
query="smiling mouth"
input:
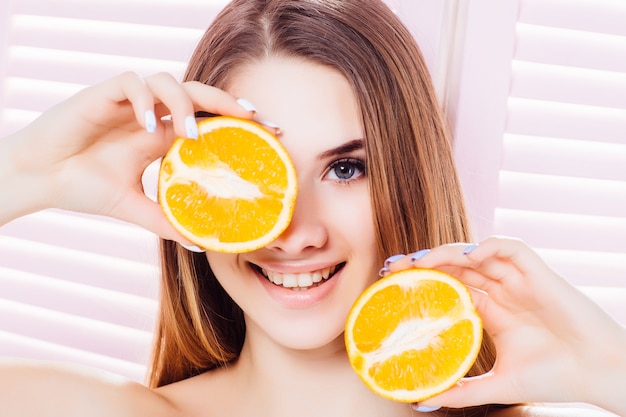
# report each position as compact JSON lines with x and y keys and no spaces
{"x":300,"y":281}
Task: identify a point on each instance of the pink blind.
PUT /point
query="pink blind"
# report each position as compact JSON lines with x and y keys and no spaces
{"x":74,"y":287}
{"x":541,"y":133}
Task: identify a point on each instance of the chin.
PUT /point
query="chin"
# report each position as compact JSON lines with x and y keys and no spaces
{"x":315,"y":332}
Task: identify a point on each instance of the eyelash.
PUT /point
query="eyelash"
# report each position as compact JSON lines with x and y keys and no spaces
{"x":357,"y":164}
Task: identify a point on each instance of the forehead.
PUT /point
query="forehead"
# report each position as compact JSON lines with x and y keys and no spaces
{"x":311,"y":103}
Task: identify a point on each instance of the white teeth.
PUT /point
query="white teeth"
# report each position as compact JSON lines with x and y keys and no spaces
{"x":305,"y":280}
{"x":290,"y":280}
{"x":277,"y":279}
{"x":325,"y":273}
{"x":302,"y":280}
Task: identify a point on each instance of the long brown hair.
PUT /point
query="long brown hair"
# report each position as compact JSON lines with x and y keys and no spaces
{"x":415,"y":193}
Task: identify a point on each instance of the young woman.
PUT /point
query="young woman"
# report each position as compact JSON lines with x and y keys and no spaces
{"x":346,"y":83}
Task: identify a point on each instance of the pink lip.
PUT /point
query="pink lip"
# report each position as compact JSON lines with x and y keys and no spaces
{"x":298,"y":299}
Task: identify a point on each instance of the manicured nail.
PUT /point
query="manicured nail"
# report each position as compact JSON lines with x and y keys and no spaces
{"x":424,"y":408}
{"x":267,"y":123}
{"x":470,"y":248}
{"x":392,"y":259}
{"x":192,"y":248}
{"x":191,"y":127}
{"x":418,"y":255}
{"x":150,"y":121}
{"x":272,"y":125}
{"x":247,"y":106}
{"x":384,"y":271}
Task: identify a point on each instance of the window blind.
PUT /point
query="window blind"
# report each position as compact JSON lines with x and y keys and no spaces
{"x":554,"y":160}
{"x":81,"y":288}
{"x":74,"y":287}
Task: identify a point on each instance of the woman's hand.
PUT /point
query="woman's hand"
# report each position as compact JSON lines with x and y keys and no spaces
{"x":89,"y":153}
{"x":553,"y":343}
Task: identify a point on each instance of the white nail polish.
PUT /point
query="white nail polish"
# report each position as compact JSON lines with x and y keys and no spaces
{"x":192,"y":248}
{"x":247,"y":106}
{"x":271,"y":125}
{"x":425,"y":408}
{"x":191,"y":127}
{"x":267,"y":123}
{"x":150,"y":121}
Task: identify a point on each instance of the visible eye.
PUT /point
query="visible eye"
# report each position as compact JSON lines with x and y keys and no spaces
{"x":346,"y":169}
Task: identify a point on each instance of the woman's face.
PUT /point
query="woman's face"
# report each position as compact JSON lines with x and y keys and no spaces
{"x":328,"y":251}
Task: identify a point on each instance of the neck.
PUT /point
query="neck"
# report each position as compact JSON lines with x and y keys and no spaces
{"x":279,"y":381}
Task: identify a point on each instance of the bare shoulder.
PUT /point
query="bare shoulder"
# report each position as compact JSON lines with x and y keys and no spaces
{"x":40,"y":389}
{"x":549,"y":411}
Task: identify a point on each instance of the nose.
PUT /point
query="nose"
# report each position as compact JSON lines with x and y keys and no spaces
{"x":307,"y":230}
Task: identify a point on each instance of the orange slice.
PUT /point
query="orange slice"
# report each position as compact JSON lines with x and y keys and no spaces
{"x":413,"y":334}
{"x":232,"y":190}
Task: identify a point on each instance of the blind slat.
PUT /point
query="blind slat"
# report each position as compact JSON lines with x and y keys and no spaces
{"x":79,"y":299}
{"x":563,"y":230}
{"x":36,"y":95}
{"x":560,"y":194}
{"x":564,"y":157}
{"x":570,"y":48}
{"x":603,"y":16}
{"x":105,"y":37}
{"x":65,"y":230}
{"x":81,"y":67}
{"x":89,"y":268}
{"x":573,"y":121}
{"x":73,"y":331}
{"x":610,"y":298}
{"x":15,"y":119}
{"x":17,"y":346}
{"x":183,"y":13}
{"x":570,"y":85}
{"x":588,"y":268}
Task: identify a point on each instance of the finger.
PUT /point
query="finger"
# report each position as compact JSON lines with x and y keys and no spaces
{"x":217,"y":101}
{"x":483,"y":389}
{"x":173,"y":97}
{"x":513,"y":251}
{"x":181,"y":100}
{"x":445,"y":255}
{"x":130,"y":87}
{"x":482,"y":270}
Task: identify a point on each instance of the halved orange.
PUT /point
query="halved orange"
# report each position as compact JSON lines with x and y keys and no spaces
{"x":413,"y":334}
{"x":232,"y":190}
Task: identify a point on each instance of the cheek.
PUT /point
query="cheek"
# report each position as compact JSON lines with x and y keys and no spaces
{"x":354,"y":214}
{"x":350,"y":216}
{"x":224,"y":267}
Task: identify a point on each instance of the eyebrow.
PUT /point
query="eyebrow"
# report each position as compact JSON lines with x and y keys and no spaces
{"x":353,"y":145}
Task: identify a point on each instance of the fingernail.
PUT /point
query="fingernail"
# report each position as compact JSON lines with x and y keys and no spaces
{"x":247,"y":106}
{"x":392,"y":259}
{"x":384,"y":271}
{"x":267,"y":123}
{"x":191,"y":127}
{"x":424,"y":408}
{"x":192,"y":248}
{"x":271,"y":125}
{"x":150,"y":121}
{"x":469,"y":248}
{"x":418,"y":255}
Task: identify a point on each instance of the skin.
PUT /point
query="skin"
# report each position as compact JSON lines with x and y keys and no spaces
{"x":52,"y":163}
